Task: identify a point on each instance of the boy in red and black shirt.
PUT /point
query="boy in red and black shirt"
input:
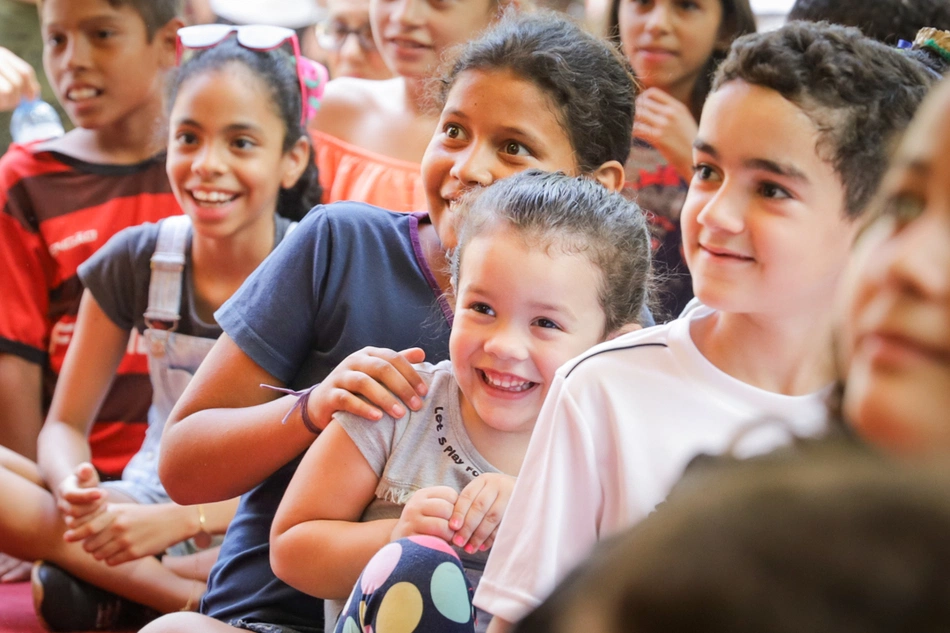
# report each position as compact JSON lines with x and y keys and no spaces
{"x":60,"y":200}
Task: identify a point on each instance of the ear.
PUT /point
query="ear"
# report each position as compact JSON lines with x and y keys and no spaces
{"x":624,"y":329}
{"x":167,"y":39}
{"x":295,"y":162}
{"x":610,"y":175}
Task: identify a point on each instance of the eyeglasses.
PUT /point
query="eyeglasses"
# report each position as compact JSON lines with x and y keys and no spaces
{"x":259,"y":37}
{"x":332,"y":35}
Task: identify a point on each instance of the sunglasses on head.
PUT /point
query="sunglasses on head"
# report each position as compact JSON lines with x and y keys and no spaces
{"x":312,"y":77}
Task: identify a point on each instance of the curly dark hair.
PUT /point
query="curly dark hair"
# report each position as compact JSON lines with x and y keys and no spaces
{"x":588,"y":80}
{"x":569,"y":214}
{"x":859,"y":93}
{"x":884,"y":20}
{"x":737,"y":20}
{"x":277,"y":70}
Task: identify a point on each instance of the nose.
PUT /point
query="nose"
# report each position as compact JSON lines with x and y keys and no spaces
{"x":473,"y":167}
{"x":659,"y":18}
{"x":724,"y":211}
{"x":207,"y":161}
{"x":350,"y":48}
{"x":507,"y":342}
{"x":409,"y":13}
{"x":918,"y":257}
{"x":77,"y":53}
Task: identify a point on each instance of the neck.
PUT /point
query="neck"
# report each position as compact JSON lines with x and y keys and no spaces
{"x":505,"y":450}
{"x":789,"y":355}
{"x":220,"y":265}
{"x":416,"y":95}
{"x":436,"y":257}
{"x":131,"y":139}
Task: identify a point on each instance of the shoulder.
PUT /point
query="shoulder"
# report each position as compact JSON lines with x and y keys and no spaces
{"x":130,"y":245}
{"x":347,"y":101}
{"x":358,"y":219}
{"x":629,"y":348}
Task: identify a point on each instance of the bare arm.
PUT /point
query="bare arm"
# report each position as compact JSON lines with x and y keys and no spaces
{"x":21,"y":406}
{"x":91,"y":361}
{"x":221,"y":419}
{"x":224,"y":416}
{"x":316,"y":526}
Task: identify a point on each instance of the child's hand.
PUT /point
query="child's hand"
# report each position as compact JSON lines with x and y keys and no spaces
{"x":17,"y":80}
{"x":127,"y":531}
{"x":667,"y":124}
{"x":479,"y":510}
{"x":79,"y":496}
{"x":375,"y":374}
{"x":427,"y":513}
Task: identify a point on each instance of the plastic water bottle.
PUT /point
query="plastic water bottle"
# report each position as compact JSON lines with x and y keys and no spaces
{"x":35,"y":120}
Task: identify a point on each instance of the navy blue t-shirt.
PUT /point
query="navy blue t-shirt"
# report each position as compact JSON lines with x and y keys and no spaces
{"x":349,"y":276}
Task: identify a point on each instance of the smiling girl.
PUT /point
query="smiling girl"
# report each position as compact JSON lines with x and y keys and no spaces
{"x":582,"y":258}
{"x":354,"y":275}
{"x":237,"y":157}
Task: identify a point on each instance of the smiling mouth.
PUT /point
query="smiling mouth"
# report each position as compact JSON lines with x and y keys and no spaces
{"x":213,"y":198}
{"x":715,"y":252}
{"x":506,"y":382}
{"x":406,"y":43}
{"x":82,"y":94}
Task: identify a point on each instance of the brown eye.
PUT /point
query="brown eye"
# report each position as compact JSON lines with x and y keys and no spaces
{"x":453,"y":131}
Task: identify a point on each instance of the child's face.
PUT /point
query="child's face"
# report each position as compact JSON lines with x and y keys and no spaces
{"x":494,"y":124}
{"x":764,"y":226}
{"x":100,"y":62}
{"x":520,"y":314}
{"x":351,"y":60}
{"x":898,"y":313}
{"x":225,"y":159}
{"x":412,"y":35}
{"x":669,"y":41}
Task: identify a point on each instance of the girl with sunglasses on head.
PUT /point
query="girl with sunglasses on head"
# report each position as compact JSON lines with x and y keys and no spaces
{"x":240,"y":166}
{"x":370,"y":136}
{"x":553,"y":98}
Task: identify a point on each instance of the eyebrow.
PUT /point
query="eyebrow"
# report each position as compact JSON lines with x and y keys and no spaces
{"x":779,"y":169}
{"x":234,"y":127}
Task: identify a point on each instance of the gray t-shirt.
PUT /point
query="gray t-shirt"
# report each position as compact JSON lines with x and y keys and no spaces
{"x":422,"y":449}
{"x":118,"y":276}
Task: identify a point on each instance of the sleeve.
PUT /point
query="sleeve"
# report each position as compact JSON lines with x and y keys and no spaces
{"x":553,"y":515}
{"x":26,"y":269}
{"x":118,"y":276}
{"x":374,"y":439}
{"x":273,"y":314}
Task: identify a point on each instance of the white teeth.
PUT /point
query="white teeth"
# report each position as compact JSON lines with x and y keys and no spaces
{"x":507,"y":382}
{"x":79,"y":94}
{"x":213,"y":197}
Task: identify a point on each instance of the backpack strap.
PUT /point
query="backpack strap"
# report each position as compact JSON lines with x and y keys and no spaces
{"x":167,"y":264}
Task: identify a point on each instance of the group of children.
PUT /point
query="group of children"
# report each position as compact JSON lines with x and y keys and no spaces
{"x":541,"y":400}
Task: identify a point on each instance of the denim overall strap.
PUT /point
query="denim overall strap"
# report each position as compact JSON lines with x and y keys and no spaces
{"x":164,"y":287}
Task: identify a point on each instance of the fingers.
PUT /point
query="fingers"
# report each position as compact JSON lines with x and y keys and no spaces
{"x":17,"y":80}
{"x":17,"y":573}
{"x":75,"y":504}
{"x":374,"y":380}
{"x":89,"y":525}
{"x":477,"y":514}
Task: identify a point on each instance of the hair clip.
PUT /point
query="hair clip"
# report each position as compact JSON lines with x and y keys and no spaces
{"x":314,"y":77}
